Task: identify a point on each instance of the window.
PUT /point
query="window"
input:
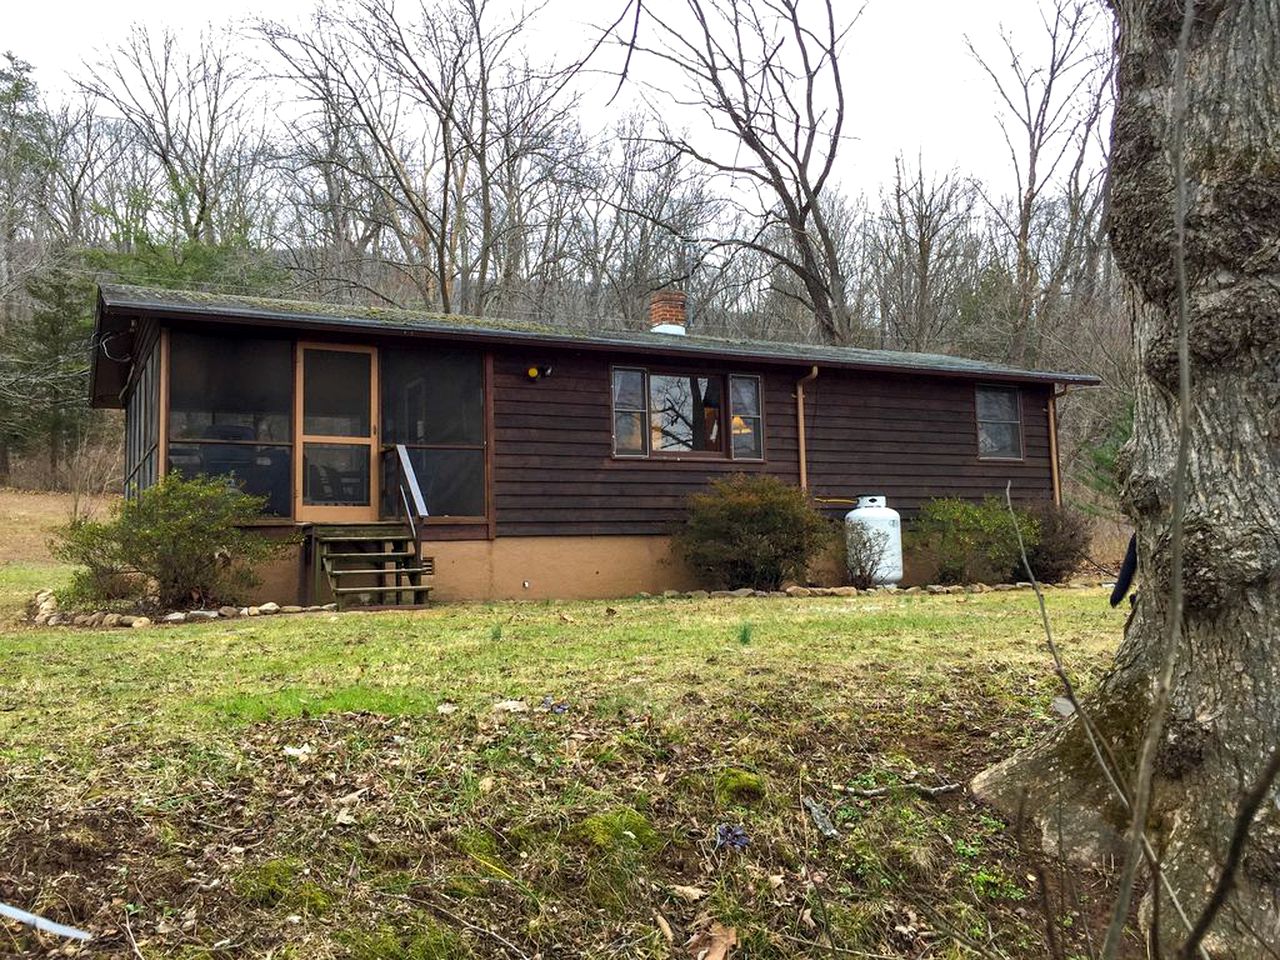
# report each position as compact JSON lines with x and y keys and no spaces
{"x":142,"y":425}
{"x":685,"y":414}
{"x":230,"y":413}
{"x":746,"y":421}
{"x":664,"y":414}
{"x":433,"y":403}
{"x":999,"y":412}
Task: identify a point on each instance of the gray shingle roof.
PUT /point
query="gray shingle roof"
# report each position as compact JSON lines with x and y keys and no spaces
{"x":120,"y":299}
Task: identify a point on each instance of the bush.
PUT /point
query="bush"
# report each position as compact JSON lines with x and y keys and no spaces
{"x":1063,"y":543}
{"x":972,"y":542}
{"x":182,"y":539}
{"x":864,"y":552}
{"x":751,"y":531}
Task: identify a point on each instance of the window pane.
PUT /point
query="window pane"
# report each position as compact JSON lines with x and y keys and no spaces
{"x":684,"y":413}
{"x":335,"y":393}
{"x":748,"y":443}
{"x":229,"y":388}
{"x":452,"y":481}
{"x":997,"y":403}
{"x":432,"y":396}
{"x":628,"y":433}
{"x":628,"y":390}
{"x":335,"y":474}
{"x":262,"y":471}
{"x":745,"y":396}
{"x":999,"y":440}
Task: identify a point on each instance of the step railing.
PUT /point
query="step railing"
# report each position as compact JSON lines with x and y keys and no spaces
{"x":409,"y":491}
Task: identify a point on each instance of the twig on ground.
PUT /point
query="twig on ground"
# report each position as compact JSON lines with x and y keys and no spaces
{"x":877,"y":792}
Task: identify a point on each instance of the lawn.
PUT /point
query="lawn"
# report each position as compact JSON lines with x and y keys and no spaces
{"x":624,"y":779}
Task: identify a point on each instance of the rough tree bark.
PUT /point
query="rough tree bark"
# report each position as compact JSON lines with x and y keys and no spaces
{"x":1224,"y":717}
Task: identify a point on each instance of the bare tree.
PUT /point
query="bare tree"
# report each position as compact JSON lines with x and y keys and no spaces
{"x":1178,"y":742}
{"x":1053,"y":108}
{"x":192,"y":113}
{"x":769,"y":82}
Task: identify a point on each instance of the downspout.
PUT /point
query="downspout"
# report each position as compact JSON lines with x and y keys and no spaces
{"x":803,"y":451}
{"x":1054,"y":470}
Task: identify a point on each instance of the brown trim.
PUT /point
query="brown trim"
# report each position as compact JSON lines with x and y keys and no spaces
{"x":1054,"y":468}
{"x":162,"y":434}
{"x":977,"y":424}
{"x":490,"y":513}
{"x":802,"y":452}
{"x":318,"y":513}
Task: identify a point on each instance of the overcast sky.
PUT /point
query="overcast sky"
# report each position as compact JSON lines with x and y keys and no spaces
{"x":912,"y":85}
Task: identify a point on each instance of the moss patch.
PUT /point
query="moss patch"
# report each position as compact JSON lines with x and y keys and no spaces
{"x":738,"y":787}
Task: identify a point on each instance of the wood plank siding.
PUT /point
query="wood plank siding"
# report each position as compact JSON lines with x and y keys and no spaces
{"x":913,"y":438}
{"x":909,"y":437}
{"x":554,"y":469}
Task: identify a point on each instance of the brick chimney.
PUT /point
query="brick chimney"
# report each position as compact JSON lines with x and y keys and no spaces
{"x":667,"y":313}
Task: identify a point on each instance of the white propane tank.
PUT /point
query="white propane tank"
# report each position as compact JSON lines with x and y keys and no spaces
{"x":872,"y":514}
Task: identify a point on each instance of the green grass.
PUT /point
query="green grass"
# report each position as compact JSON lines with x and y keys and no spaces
{"x":288,"y":784}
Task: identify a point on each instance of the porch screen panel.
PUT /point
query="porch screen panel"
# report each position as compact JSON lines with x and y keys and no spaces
{"x":433,"y":403}
{"x":230,"y":412}
{"x":142,"y":426}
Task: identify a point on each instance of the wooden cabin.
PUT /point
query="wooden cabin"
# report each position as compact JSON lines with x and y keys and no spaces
{"x":484,"y":459}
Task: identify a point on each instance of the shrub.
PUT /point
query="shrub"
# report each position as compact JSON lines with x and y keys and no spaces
{"x":1063,"y":543}
{"x":864,"y":552}
{"x":972,"y":542}
{"x":182,"y":538}
{"x":751,"y":531}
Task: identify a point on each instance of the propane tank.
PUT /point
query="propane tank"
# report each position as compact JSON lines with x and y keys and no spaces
{"x":873,"y":515}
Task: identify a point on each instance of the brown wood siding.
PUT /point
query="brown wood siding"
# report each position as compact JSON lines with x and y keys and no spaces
{"x":915,"y":438}
{"x":554,"y":470}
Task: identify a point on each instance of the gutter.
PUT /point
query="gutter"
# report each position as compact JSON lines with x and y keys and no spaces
{"x":1055,"y":471}
{"x":803,"y":452}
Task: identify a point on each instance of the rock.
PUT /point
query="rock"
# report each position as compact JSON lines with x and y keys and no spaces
{"x":202,"y":615}
{"x":672,"y":594}
{"x":80,"y":620}
{"x":314,"y":608}
{"x":820,"y":591}
{"x":844,"y":591}
{"x":329,"y":606}
{"x":797,"y":591}
{"x":954,"y":589}
{"x":759,"y":593}
{"x":291,"y":608}
{"x":913,"y":590}
{"x":95,"y":619}
{"x":721,"y":593}
{"x":229,"y":612}
{"x":742,"y":592}
{"x":43,"y":595}
{"x":55,"y":619}
{"x":252,"y":612}
{"x":698,"y":594}
{"x":175,"y":617}
{"x":936,"y":588}
{"x":141,"y":622}
{"x":1023,"y":585}
{"x":1004,"y":586}
{"x":126,"y":620}
{"x":979,"y":588}
{"x":111,"y":620}
{"x":268,"y":608}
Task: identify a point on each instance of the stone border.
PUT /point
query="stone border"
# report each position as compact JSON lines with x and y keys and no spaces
{"x":45,"y":613}
{"x":931,"y":589}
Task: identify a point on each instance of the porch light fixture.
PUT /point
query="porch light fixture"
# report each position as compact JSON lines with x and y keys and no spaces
{"x":537,"y":373}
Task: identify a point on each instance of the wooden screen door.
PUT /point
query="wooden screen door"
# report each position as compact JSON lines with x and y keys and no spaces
{"x":337,"y":422}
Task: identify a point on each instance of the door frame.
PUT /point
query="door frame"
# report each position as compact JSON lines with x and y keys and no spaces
{"x":313,"y":513}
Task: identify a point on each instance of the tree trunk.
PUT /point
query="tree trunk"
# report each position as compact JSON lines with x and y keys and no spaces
{"x":1224,"y":717}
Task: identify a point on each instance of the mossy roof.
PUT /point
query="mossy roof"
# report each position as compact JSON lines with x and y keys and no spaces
{"x":118,"y":301}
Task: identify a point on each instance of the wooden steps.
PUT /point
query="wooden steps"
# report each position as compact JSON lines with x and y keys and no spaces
{"x":372,"y":565}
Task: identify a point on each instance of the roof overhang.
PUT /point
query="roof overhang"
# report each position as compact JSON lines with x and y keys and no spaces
{"x":121,"y":309}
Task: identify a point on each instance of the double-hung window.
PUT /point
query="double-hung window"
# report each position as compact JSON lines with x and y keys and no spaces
{"x":999,"y":415}
{"x":694,"y":415}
